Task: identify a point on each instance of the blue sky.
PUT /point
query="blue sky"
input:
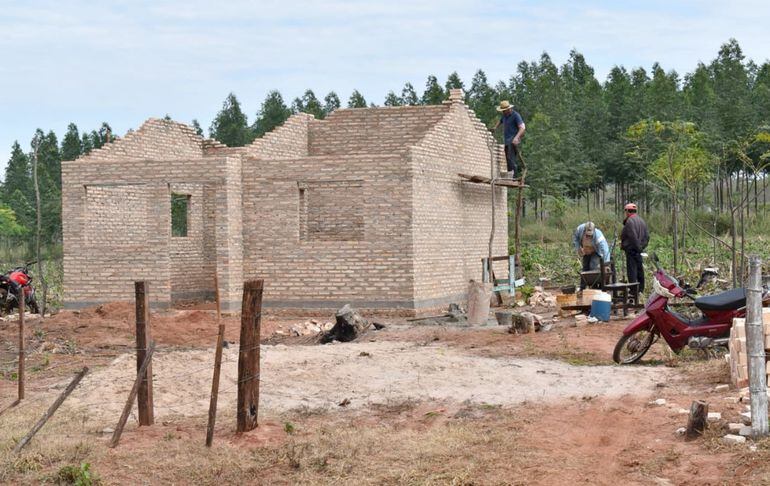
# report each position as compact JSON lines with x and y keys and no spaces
{"x":124,"y":61}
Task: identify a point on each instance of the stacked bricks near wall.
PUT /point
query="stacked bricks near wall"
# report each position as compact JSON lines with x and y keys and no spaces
{"x":738,"y":357}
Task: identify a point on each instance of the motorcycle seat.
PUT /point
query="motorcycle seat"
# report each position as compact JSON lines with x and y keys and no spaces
{"x":730,"y":300}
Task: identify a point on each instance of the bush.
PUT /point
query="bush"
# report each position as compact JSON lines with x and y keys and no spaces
{"x":78,"y":476}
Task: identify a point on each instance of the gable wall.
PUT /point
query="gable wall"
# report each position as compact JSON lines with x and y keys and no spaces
{"x":452,"y":219}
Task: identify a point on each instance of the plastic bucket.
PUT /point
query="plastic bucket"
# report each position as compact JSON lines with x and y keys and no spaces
{"x":601,"y":306}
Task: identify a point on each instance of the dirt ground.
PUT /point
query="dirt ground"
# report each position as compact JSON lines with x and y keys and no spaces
{"x":413,"y":404}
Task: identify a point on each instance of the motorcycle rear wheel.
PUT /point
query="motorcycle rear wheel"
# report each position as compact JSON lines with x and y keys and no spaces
{"x":636,"y":345}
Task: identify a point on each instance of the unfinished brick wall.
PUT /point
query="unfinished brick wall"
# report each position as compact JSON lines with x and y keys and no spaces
{"x":368,"y":265}
{"x":364,"y":207}
{"x":452,"y":219}
{"x":385,"y":130}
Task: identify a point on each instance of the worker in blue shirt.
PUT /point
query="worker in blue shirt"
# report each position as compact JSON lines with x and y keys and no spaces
{"x":591,"y":246}
{"x":513,"y":130}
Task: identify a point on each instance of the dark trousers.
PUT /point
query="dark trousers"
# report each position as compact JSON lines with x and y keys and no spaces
{"x":512,"y":157}
{"x":635,"y":268}
{"x":586,"y":267}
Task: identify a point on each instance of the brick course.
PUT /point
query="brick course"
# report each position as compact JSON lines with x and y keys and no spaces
{"x":362,"y":207}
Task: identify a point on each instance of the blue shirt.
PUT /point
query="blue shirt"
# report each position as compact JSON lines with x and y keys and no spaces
{"x":599,"y":241}
{"x":511,"y":125}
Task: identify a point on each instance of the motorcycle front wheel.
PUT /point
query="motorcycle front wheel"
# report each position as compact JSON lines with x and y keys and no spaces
{"x":632,"y":347}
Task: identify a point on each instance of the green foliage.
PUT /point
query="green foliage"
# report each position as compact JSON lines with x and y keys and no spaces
{"x":433,"y":94}
{"x":9,"y":227}
{"x":409,"y":95}
{"x":197,"y":127}
{"x":356,"y":100}
{"x":179,"y":214}
{"x":230,"y":125}
{"x":331,"y":103}
{"x":308,"y":104}
{"x":392,"y":100}
{"x":77,"y":475}
{"x":272,"y":114}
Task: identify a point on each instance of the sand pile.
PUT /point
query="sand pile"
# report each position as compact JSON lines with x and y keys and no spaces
{"x":363,"y":373}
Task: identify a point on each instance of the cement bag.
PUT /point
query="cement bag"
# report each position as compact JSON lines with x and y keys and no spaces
{"x":479,"y":295}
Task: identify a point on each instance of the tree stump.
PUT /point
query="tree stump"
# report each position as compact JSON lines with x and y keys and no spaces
{"x":697,"y":423}
{"x":349,"y":326}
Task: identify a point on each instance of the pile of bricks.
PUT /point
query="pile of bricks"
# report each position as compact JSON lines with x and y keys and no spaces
{"x":738,"y":357}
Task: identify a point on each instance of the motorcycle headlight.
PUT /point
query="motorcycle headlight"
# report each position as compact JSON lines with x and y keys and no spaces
{"x":660,"y":290}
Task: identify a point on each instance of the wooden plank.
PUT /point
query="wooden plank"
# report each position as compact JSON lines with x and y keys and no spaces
{"x":131,"y":397}
{"x":216,"y":295}
{"x":486,"y":180}
{"x":51,"y":410}
{"x":215,"y":387}
{"x":145,"y":402}
{"x":248,"y":356}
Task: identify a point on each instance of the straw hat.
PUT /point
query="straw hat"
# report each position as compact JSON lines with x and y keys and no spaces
{"x":504,"y":105}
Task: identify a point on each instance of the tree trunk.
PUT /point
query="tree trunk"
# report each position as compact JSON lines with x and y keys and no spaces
{"x":674,"y":228}
{"x":732,"y":234}
{"x":38,"y":231}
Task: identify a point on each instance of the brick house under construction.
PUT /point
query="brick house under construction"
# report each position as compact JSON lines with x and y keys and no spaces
{"x":364,"y":207}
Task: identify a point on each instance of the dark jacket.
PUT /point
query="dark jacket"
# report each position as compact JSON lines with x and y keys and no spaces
{"x":634,"y":236}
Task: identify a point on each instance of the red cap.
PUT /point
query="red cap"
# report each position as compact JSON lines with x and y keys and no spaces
{"x":630,"y":207}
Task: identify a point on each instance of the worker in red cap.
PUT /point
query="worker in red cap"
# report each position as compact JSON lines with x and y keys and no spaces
{"x":633,"y":241}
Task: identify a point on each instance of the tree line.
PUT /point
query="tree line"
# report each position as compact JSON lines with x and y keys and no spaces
{"x":584,"y":136}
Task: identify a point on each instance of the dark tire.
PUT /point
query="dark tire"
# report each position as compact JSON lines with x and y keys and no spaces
{"x":637,"y":344}
{"x":33,"y":307}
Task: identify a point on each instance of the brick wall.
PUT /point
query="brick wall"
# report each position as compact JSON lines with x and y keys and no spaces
{"x":452,"y":219}
{"x":362,"y":208}
{"x":369,"y":267}
{"x":372,"y":130}
{"x":107,"y":248}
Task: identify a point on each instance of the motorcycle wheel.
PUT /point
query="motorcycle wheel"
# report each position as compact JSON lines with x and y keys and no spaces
{"x":632,"y":347}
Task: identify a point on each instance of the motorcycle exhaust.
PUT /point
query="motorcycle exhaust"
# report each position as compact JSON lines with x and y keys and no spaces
{"x":702,"y":342}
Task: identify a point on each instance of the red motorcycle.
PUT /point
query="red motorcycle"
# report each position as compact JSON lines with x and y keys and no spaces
{"x":14,"y":282}
{"x":712,"y":328}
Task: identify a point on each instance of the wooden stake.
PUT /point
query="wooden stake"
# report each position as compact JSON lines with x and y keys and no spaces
{"x":215,"y":387}
{"x":131,"y":397}
{"x":145,"y":402}
{"x":696,"y":422}
{"x":216,"y":295}
{"x":22,"y":350}
{"x":755,"y":345}
{"x":51,"y":410}
{"x":248,"y":356}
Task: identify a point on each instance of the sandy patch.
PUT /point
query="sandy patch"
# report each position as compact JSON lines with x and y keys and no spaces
{"x":370,"y":372}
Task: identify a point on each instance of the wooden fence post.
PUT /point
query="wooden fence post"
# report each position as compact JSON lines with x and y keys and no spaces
{"x":131,"y":397}
{"x":22,"y":350}
{"x":755,"y":344}
{"x":145,"y":403}
{"x":215,"y":387}
{"x":51,"y":410}
{"x":248,"y":356}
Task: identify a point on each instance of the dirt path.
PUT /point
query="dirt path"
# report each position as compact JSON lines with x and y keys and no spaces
{"x":369,"y":372}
